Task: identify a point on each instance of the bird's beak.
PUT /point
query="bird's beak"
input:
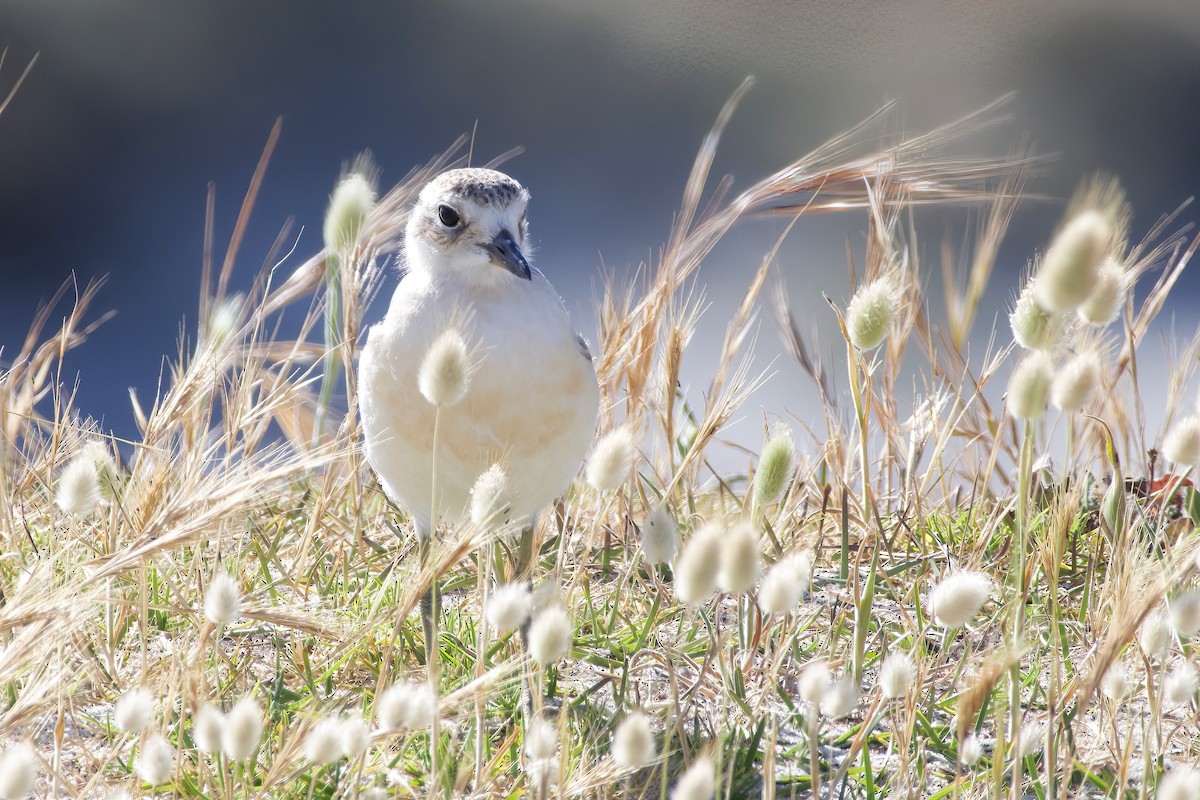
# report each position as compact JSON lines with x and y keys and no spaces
{"x":505,"y":252}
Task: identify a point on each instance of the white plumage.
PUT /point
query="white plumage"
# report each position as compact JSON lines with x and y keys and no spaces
{"x":531,"y":398}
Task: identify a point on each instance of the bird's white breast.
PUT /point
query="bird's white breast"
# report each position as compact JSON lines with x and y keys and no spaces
{"x":531,"y":402}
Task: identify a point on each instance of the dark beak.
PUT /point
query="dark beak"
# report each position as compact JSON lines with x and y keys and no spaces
{"x":505,"y":252}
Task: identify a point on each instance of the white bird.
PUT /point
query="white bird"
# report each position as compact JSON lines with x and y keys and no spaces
{"x":532,"y":396}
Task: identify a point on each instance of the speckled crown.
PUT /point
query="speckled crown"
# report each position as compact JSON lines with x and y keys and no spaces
{"x":484,"y":186}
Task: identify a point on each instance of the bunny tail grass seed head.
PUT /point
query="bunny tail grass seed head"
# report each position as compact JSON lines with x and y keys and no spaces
{"x":1029,"y":738}
{"x":958,"y":598}
{"x":1117,"y":683}
{"x":508,"y":607}
{"x":549,"y":636}
{"x":349,"y":206}
{"x":78,"y":486}
{"x":1029,"y":386}
{"x":612,"y":459}
{"x":814,"y":681}
{"x":242,"y":730}
{"x":406,"y":706}
{"x":106,"y":467}
{"x":699,"y":782}
{"x":660,"y":536}
{"x":155,"y":760}
{"x":1070,"y":269}
{"x":896,"y":675}
{"x":1154,"y":636}
{"x":697,"y":566}
{"x":353,"y":735}
{"x":740,"y":559}
{"x":1108,"y":297}
{"x":872,"y":312}
{"x":1181,"y":684}
{"x":207,"y":724}
{"x":633,"y":742}
{"x":774,"y":468}
{"x":323,"y":744}
{"x":840,"y":699}
{"x":1185,"y":614}
{"x":541,"y":740}
{"x":785,"y":584}
{"x":445,"y":371}
{"x":970,"y":751}
{"x":18,"y":772}
{"x":1075,"y":384}
{"x":1033,"y":327}
{"x":489,"y":497}
{"x":134,"y":711}
{"x":222,"y":600}
{"x":1181,"y":783}
{"x":1182,"y":443}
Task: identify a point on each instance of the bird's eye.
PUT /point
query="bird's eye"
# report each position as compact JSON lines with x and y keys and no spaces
{"x":448,"y":216}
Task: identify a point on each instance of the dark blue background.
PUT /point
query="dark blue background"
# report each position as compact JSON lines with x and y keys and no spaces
{"x":134,"y":107}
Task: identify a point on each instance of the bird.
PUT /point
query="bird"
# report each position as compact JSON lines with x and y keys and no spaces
{"x":532,"y":397}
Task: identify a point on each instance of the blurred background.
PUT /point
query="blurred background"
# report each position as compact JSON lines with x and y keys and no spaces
{"x":133,"y":108}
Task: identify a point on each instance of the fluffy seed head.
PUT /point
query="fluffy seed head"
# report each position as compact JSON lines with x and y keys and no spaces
{"x":18,"y":772}
{"x":840,"y":699}
{"x":741,"y":559}
{"x":508,"y":607}
{"x":78,"y":486}
{"x":872,"y":312}
{"x":1155,"y":635}
{"x":134,"y":710}
{"x":349,"y":206}
{"x":896,"y":675}
{"x":353,"y":735}
{"x":155,"y":760}
{"x":242,"y":730}
{"x":774,"y":468}
{"x":612,"y":459}
{"x":323,"y":744}
{"x":222,"y":600}
{"x":1029,"y":386}
{"x":1185,"y":614}
{"x":1033,"y":327}
{"x":106,"y":467}
{"x":1104,"y":305}
{"x":698,"y":783}
{"x":541,"y":740}
{"x":696,"y":568}
{"x":549,"y":636}
{"x":489,"y":497}
{"x":1181,"y":685}
{"x":959,"y":597}
{"x":207,"y":724}
{"x":633,"y":742}
{"x":814,"y":681}
{"x":660,"y":536}
{"x":445,"y":370}
{"x":1117,"y":683}
{"x":785,"y":584}
{"x":1071,"y":266}
{"x":406,"y":705}
{"x":1075,"y":384}
{"x":970,"y":751}
{"x":1181,"y":783}
{"x":1029,"y":738}
{"x":1182,"y":444}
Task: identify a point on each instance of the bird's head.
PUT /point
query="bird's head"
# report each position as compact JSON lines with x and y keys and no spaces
{"x":470,"y":222}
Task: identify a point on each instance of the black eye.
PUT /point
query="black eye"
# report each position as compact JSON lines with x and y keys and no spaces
{"x":448,"y":216}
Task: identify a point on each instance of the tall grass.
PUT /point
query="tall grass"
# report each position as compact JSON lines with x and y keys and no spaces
{"x":104,"y":586}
